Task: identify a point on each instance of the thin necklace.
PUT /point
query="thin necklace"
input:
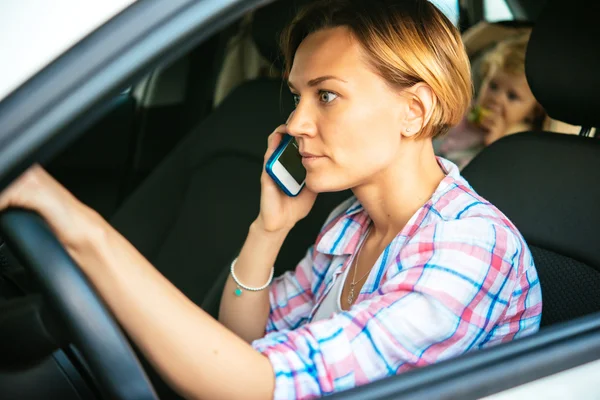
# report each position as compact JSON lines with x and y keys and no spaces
{"x":354,"y":281}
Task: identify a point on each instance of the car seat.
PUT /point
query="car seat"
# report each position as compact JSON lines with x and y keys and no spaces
{"x":548,"y":184}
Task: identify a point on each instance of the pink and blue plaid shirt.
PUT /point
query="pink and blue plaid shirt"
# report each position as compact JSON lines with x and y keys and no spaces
{"x":458,"y":277}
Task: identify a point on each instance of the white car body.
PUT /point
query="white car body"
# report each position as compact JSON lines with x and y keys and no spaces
{"x":33,"y":33}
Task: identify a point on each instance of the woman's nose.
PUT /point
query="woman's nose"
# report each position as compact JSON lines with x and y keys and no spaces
{"x":290,"y":117}
{"x":301,"y":123}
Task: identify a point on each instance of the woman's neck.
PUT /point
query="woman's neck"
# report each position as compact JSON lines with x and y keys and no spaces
{"x":393,"y":196}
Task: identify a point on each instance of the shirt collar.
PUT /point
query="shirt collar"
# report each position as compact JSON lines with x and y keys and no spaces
{"x":453,"y":178}
{"x":342,"y":235}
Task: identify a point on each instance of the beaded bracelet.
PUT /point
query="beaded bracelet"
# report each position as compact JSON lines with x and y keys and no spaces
{"x":240,"y":285}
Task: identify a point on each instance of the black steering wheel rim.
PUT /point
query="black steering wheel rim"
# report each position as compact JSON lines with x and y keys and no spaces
{"x":85,"y":317}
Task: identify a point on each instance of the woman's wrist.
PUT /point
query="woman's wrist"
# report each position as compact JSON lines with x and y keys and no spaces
{"x":88,"y":235}
{"x":261,"y":247}
{"x":259,"y":227}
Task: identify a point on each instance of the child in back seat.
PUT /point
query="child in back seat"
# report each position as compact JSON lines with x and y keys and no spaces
{"x":505,"y":105}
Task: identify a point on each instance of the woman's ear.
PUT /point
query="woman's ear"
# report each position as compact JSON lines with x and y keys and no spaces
{"x":421,"y":101}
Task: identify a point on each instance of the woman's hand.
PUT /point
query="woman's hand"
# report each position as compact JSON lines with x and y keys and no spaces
{"x":37,"y":191}
{"x":278,"y":211}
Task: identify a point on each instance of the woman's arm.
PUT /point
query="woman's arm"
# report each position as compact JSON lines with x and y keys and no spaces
{"x":247,"y":314}
{"x":198,"y":356}
{"x":191,"y":350}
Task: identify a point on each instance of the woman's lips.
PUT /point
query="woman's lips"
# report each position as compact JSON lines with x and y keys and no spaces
{"x":309,"y":158}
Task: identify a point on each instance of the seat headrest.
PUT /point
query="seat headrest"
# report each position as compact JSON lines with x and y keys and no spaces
{"x":563,"y":60}
{"x":268,"y":23}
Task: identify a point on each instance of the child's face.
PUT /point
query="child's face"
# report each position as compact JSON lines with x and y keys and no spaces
{"x":508,"y":96}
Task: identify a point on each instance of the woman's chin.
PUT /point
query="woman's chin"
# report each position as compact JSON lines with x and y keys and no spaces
{"x":322,"y":184}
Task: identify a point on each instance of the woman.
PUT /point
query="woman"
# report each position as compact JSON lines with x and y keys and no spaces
{"x":414,"y":269}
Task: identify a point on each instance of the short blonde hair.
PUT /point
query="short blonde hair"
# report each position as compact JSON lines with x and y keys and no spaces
{"x":406,"y":42}
{"x":508,"y":56}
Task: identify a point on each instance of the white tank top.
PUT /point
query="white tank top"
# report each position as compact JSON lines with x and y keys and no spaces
{"x":331,"y":303}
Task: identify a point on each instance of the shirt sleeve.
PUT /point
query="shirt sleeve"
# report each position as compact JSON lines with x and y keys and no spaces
{"x":449,"y":285}
{"x":291,"y":297}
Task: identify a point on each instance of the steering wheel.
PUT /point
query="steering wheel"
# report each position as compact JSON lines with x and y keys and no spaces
{"x":86,"y":320}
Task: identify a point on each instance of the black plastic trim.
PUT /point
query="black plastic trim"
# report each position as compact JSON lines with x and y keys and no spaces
{"x":83,"y":388}
{"x":145,"y":35}
{"x":24,"y":336}
{"x":585,"y":131}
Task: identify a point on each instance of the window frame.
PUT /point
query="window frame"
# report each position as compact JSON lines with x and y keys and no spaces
{"x":51,"y":109}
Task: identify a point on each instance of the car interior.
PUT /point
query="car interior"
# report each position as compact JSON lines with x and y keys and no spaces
{"x":554,"y":209}
{"x":183,"y":149}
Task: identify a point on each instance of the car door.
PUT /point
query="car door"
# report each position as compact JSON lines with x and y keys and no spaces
{"x":559,"y":362}
{"x":127,"y":54}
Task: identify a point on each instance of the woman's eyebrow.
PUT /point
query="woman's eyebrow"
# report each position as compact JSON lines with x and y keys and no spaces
{"x":316,"y":81}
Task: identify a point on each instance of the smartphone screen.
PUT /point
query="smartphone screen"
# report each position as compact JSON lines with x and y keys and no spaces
{"x":291,"y":159}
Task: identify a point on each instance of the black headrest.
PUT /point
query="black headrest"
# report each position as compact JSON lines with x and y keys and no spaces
{"x":563,"y":60}
{"x":268,"y":23}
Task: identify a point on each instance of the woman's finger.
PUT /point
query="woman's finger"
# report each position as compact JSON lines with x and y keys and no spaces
{"x":9,"y":196}
{"x":274,"y":140}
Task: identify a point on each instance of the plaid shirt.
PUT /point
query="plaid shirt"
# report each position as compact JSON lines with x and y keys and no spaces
{"x":458,"y":277}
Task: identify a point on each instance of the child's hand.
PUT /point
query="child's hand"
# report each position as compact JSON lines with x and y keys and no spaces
{"x":476,"y":114}
{"x":494,"y":126}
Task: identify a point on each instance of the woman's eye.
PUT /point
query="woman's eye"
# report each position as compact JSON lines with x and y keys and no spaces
{"x":327,"y":97}
{"x":296,"y":99}
{"x":493,"y":85}
{"x":512,"y":96}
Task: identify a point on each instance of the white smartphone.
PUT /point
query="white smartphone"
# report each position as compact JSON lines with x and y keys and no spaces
{"x":285,"y":167}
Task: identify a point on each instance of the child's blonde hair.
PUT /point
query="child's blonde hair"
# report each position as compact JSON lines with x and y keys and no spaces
{"x":507,"y":56}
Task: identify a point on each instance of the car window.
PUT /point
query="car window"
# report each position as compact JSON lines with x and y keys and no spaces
{"x":448,"y":7}
{"x":58,"y":26}
{"x":497,"y":10}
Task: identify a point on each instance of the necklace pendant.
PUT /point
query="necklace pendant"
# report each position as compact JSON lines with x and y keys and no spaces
{"x":351,"y":294}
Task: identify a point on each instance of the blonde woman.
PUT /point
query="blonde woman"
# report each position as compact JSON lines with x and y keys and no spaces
{"x":413,"y":269}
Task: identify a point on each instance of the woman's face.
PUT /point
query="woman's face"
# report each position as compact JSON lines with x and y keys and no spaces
{"x":347,"y":121}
